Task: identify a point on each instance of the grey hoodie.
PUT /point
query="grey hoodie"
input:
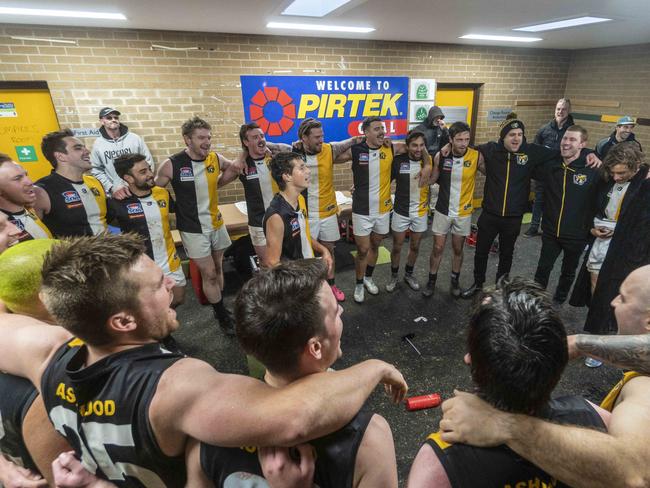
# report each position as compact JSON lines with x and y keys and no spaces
{"x":105,"y":150}
{"x":435,"y":137}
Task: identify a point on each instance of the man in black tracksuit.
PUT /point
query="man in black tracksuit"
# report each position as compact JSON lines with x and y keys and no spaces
{"x":569,"y":206}
{"x":549,"y":135}
{"x":622,"y":133}
{"x":509,"y":164}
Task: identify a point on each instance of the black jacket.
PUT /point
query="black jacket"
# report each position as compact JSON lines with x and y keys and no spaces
{"x":507,"y":182}
{"x":604,"y":145}
{"x":569,"y":197}
{"x":628,"y":250}
{"x":550,"y":134}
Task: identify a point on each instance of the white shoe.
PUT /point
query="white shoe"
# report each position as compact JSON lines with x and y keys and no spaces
{"x":370,"y":286}
{"x":359,"y":293}
{"x":392,"y":283}
{"x":412,"y":282}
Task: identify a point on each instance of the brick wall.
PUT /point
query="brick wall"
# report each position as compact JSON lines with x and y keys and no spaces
{"x":157,"y":90}
{"x":620,"y":74}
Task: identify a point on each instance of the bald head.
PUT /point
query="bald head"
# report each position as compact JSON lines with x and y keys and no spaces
{"x":632,"y":305}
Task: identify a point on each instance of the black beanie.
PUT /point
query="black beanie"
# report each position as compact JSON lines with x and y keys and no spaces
{"x":511,"y":122}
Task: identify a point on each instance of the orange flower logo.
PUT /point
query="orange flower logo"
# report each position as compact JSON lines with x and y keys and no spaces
{"x":273,"y":110}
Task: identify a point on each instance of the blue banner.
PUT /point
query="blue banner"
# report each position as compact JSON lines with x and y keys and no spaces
{"x":279,"y":103}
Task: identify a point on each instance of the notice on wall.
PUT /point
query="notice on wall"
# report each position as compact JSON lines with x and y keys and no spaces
{"x":86,"y":132}
{"x":8,"y":109}
{"x":454,"y":114}
{"x":498,"y":114}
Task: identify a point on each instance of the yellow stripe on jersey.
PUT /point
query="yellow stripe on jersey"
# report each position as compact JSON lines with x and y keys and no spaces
{"x":38,"y":222}
{"x":423,"y":203}
{"x":161,"y":195}
{"x":212,"y":171}
{"x":438,"y":440}
{"x":385,"y":166}
{"x":302,"y":206}
{"x":321,"y":194}
{"x":468,"y":181}
{"x":98,"y":192}
{"x":610,"y":400}
{"x":75,"y":342}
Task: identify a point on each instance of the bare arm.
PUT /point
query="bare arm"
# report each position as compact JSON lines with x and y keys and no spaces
{"x":164,"y":174}
{"x":274,"y":236}
{"x":27,"y":345}
{"x":623,"y":351}
{"x":341,"y":149}
{"x":481,"y":163}
{"x":234,"y":410}
{"x":42,"y":205}
{"x":323,"y":252}
{"x":435,"y":173}
{"x":427,"y":168}
{"x":69,"y":473}
{"x":399,"y":148}
{"x":278,"y":147}
{"x":375,"y":466}
{"x":196,"y":478}
{"x":230,"y":170}
{"x":577,"y":456}
{"x":41,"y":440}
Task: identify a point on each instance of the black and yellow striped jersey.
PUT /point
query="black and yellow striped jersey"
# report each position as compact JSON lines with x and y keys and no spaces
{"x":411,"y":200}
{"x":77,"y":208}
{"x":468,"y":466}
{"x":259,"y":189}
{"x":195,"y":190}
{"x":296,"y":240}
{"x":456,"y":181}
{"x":103,"y":412}
{"x":371,"y":172}
{"x":30,"y":226}
{"x":320,"y":196}
{"x":149,"y":217}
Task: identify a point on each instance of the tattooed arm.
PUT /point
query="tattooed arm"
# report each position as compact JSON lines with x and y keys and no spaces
{"x":623,"y":351}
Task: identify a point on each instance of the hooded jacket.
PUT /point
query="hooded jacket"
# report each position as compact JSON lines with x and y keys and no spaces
{"x":507,"y":178}
{"x":105,"y":150}
{"x":435,"y":136}
{"x":550,"y":135}
{"x":604,"y":145}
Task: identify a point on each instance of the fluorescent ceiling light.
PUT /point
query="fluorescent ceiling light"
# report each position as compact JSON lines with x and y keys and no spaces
{"x":561,"y":24}
{"x":313,"y":8}
{"x":42,"y":12}
{"x":482,"y":37}
{"x":319,"y":27}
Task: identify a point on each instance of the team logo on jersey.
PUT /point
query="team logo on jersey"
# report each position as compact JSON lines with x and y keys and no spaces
{"x":447,"y":164}
{"x":382,"y":155}
{"x":71,"y":196}
{"x":295,"y":225}
{"x":467,"y":164}
{"x":95,"y":191}
{"x":186,"y":173}
{"x":161,"y":203}
{"x":210,"y":169}
{"x":579,"y":179}
{"x":252,"y":173}
{"x":19,"y":224}
{"x":405,"y":168}
{"x":134,"y":210}
{"x":364,"y":158}
{"x":522,"y":159}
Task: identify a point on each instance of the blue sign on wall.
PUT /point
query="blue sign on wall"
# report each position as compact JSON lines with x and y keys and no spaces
{"x":279,"y":103}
